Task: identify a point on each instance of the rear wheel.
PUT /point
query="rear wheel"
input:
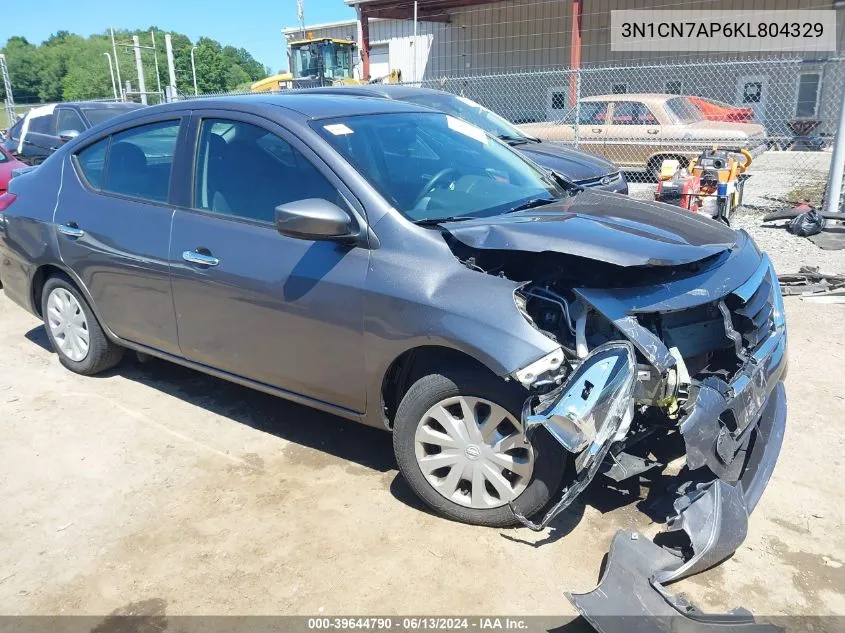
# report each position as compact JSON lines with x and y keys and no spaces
{"x":73,"y":330}
{"x":460,"y":445}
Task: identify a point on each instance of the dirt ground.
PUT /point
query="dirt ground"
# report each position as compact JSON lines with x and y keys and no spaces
{"x":158,"y":485}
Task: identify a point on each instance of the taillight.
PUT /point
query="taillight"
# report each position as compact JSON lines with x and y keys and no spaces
{"x":6,"y":200}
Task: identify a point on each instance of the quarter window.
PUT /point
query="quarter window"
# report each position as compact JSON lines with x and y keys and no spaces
{"x":92,"y":162}
{"x":140,"y":161}
{"x":245,"y":171}
{"x":68,"y":120}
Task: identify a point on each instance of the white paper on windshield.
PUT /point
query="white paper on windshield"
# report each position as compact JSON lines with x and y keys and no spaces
{"x":467,"y":129}
{"x":46,"y":110}
{"x":338,"y":129}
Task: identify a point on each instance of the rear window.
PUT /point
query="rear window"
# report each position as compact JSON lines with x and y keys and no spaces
{"x":41,"y":124}
{"x":683,"y":111}
{"x":96,"y":116}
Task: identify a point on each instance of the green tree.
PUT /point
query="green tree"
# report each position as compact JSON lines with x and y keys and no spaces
{"x":67,"y":66}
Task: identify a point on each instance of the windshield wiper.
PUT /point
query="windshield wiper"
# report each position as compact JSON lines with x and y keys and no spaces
{"x":513,"y":140}
{"x":530,"y":204}
{"x":436,"y":221}
{"x":572,"y":187}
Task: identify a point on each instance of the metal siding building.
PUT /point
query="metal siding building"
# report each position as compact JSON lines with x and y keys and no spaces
{"x":468,"y":49}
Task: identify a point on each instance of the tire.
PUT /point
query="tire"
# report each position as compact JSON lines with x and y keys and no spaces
{"x":101,"y":354}
{"x":472,"y":384}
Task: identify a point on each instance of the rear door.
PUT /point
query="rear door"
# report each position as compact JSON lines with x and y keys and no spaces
{"x":633,"y":135}
{"x":113,"y":228}
{"x":38,"y":136}
{"x":250,"y":301}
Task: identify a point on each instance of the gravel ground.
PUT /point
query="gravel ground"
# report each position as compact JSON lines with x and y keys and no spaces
{"x":776,"y":178}
{"x":155,"y":489}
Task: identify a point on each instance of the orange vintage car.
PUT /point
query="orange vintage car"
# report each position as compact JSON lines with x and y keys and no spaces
{"x":720,"y":111}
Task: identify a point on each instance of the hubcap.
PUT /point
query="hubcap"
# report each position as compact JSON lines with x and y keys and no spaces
{"x":472,"y":451}
{"x":67,"y":324}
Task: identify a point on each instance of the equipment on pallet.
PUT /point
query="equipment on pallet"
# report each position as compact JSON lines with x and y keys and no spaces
{"x":711,"y":184}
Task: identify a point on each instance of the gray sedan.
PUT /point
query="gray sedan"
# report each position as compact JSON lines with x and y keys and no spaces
{"x":518,"y":334}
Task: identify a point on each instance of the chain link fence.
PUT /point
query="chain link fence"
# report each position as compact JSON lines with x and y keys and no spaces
{"x":784,"y":111}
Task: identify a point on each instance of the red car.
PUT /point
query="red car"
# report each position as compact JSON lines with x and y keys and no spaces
{"x":721,"y":111}
{"x":7,"y":164}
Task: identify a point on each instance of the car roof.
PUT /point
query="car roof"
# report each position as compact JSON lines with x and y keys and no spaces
{"x":309,"y":104}
{"x":103,"y":105}
{"x":644,"y":97}
{"x":384,"y":91}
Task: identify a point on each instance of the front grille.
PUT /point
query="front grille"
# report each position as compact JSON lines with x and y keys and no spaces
{"x":751,"y":311}
{"x":597,"y":182}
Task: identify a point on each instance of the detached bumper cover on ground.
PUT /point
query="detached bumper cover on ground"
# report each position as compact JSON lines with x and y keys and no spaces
{"x":732,"y":432}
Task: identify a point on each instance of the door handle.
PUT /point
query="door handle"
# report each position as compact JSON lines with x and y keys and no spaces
{"x":652,"y":131}
{"x":70,"y":229}
{"x":200,"y":259}
{"x":597,"y":130}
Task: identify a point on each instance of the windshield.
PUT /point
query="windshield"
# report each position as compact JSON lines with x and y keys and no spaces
{"x":96,"y":116}
{"x":432,"y":166}
{"x":468,"y":110}
{"x":683,"y":111}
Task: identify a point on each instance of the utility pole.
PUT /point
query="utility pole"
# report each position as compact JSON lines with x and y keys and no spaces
{"x":116,"y":62}
{"x":300,"y":13}
{"x":111,"y":72}
{"x":7,"y":85}
{"x":142,"y":86}
{"x":837,"y":164}
{"x":414,"y":42}
{"x":171,"y":67}
{"x":155,"y":59}
{"x":194,"y":69}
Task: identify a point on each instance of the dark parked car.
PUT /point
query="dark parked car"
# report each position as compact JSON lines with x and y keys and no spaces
{"x":585,"y":169}
{"x":46,"y":128}
{"x":517,"y":334}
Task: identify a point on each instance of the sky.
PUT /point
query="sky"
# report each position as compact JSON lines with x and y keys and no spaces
{"x":252,"y":24}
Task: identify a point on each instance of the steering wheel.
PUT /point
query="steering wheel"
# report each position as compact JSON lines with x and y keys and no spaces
{"x":431,"y":182}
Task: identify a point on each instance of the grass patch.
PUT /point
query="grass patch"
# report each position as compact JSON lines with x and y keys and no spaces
{"x":810,"y":194}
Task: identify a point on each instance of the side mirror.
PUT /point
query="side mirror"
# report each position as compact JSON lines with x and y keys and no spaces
{"x":66,"y":135}
{"x":314,"y":219}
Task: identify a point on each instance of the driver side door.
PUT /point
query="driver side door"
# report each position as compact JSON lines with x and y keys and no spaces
{"x":249,"y":301}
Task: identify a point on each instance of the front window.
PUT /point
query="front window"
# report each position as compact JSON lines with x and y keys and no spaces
{"x":470,"y":111}
{"x":683,"y":111}
{"x":632,"y":113}
{"x":432,"y":166}
{"x":97,"y":115}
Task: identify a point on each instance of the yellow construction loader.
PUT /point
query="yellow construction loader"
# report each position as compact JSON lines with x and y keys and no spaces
{"x":318,"y":62}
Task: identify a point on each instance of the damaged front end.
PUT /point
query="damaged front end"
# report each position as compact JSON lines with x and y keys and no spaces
{"x":694,"y":352}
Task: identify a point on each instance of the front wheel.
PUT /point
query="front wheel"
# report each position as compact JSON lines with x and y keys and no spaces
{"x":459,"y":443}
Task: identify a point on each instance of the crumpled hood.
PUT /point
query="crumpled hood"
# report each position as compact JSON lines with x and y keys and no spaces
{"x":601,"y":226}
{"x":572,"y":163}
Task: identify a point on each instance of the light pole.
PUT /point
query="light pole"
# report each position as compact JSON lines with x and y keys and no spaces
{"x":194,"y":69}
{"x":111,"y":72}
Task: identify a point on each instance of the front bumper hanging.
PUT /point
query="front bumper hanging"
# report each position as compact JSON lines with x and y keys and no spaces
{"x":594,"y":408}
